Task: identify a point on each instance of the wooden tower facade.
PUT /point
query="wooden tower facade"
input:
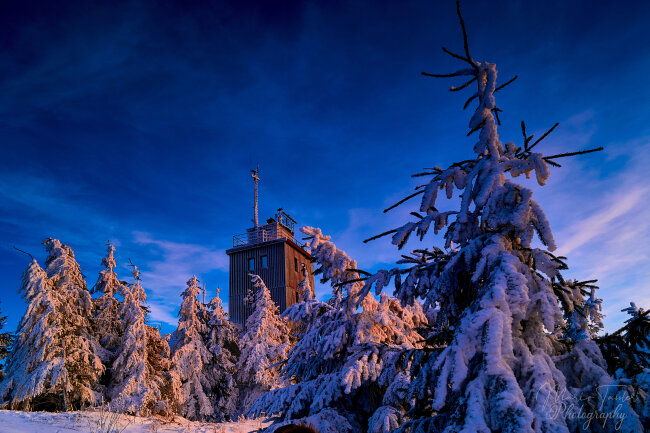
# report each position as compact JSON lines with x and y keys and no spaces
{"x":270,"y":251}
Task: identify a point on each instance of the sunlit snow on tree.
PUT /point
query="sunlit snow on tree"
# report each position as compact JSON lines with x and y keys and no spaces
{"x":136,"y":385}
{"x":344,"y":361}
{"x":265,"y":343}
{"x":54,"y":361}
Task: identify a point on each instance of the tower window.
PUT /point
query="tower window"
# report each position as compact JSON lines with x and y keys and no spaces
{"x":265,"y":262}
{"x":295,"y":264}
{"x":251,"y":264}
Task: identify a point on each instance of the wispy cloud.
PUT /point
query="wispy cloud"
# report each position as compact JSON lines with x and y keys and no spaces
{"x":169,"y":267}
{"x":613,"y":245}
{"x":599,"y":225}
{"x":604,"y":227}
{"x":160,"y":313}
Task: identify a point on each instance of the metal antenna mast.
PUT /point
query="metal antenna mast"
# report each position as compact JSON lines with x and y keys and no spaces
{"x":256,"y":179}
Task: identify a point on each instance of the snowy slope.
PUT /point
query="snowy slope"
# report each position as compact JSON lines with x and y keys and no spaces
{"x":87,"y":422}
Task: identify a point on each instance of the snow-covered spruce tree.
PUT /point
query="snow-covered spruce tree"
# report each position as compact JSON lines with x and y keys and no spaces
{"x":500,"y":357}
{"x":159,"y":364}
{"x":222,"y":342}
{"x":192,"y":377}
{"x":344,"y":364}
{"x":53,"y":364}
{"x":627,"y":352}
{"x":136,"y":382}
{"x":35,"y":367}
{"x":307,"y":310}
{"x":105,"y":319}
{"x":580,"y":360}
{"x":80,"y":348}
{"x":581,"y":308}
{"x":5,"y":343}
{"x":304,"y":290}
{"x":265,"y":343}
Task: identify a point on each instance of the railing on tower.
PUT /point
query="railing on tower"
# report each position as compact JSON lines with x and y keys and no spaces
{"x":276,"y":228}
{"x":283,"y":218}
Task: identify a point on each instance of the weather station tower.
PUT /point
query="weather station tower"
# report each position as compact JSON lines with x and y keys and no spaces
{"x":270,"y":251}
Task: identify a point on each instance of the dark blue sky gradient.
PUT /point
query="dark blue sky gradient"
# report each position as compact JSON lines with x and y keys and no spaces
{"x":138,"y":122}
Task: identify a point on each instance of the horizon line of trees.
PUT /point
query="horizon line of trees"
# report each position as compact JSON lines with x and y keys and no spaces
{"x":72,"y":351}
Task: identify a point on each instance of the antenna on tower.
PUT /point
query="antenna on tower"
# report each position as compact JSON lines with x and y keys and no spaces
{"x":203,"y":293}
{"x":256,"y":179}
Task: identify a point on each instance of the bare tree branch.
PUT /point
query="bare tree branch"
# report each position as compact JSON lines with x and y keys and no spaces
{"x":403,"y":200}
{"x":506,"y":83}
{"x":563,"y":155}
{"x":543,"y":136}
{"x":453,"y":74}
{"x":24,"y":252}
{"x":465,"y":43}
{"x":380,"y":235}
{"x":456,"y":89}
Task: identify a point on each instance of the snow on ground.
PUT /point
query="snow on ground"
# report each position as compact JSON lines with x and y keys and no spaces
{"x":91,"y":422}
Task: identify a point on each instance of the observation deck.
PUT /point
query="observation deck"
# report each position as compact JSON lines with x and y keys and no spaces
{"x":275,"y":228}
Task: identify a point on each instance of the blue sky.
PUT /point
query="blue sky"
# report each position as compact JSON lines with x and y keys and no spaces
{"x":138,"y":122}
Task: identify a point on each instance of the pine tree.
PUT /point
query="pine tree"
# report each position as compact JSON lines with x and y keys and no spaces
{"x":82,"y":364}
{"x":5,"y":343}
{"x":53,"y":364}
{"x":344,"y":363}
{"x":500,"y":358}
{"x":137,"y":383}
{"x":265,"y":342}
{"x":159,"y":365}
{"x":304,"y":290}
{"x":627,"y":355}
{"x":106,"y":323}
{"x":223,"y":344}
{"x":191,"y":358}
{"x":627,"y":350}
{"x":36,"y":366}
